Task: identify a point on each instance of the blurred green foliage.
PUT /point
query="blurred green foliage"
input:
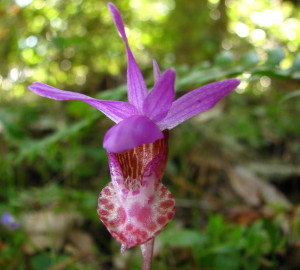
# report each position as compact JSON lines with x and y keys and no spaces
{"x":225,"y":246}
{"x":74,"y":45}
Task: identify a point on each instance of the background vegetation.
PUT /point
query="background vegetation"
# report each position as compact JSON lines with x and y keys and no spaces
{"x":233,"y":170}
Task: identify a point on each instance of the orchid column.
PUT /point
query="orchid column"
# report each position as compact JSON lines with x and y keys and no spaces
{"x":135,"y":206}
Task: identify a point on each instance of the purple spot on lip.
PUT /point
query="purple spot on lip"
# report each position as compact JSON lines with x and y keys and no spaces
{"x":119,"y":181}
{"x":124,"y":191}
{"x":144,"y":183}
{"x":135,"y":192}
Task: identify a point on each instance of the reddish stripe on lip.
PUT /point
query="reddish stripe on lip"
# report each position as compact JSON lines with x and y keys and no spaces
{"x":133,"y":162}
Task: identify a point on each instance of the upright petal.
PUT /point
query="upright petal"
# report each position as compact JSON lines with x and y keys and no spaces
{"x":131,"y":132}
{"x":197,"y":101}
{"x":156,"y":71}
{"x":115,"y":110}
{"x":159,"y":100}
{"x":137,"y":89}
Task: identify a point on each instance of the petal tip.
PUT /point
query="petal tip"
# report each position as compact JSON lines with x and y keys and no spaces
{"x":235,"y":81}
{"x":171,"y":72}
{"x":34,"y":86}
{"x":111,"y":6}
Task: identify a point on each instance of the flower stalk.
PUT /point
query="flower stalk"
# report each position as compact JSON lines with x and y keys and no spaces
{"x":147,"y":253}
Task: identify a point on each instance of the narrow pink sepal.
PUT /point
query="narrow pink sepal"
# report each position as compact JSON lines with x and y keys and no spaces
{"x":137,"y":89}
{"x":131,"y":132}
{"x":197,"y":101}
{"x":115,"y":110}
{"x":159,"y":100}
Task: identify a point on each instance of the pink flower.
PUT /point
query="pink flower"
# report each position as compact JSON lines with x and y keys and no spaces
{"x":135,"y":206}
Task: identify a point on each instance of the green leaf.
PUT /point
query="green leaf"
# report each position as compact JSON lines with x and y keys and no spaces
{"x":41,"y":262}
{"x":224,"y":59}
{"x":183,"y":238}
{"x":250,"y":59}
{"x":275,"y":56}
{"x":296,"y":64}
{"x":294,"y":94}
{"x":227,"y":262}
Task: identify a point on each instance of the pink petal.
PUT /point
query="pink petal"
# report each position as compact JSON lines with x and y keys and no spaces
{"x":159,"y":100}
{"x":135,"y":206}
{"x":131,"y":132}
{"x":135,"y":220}
{"x":115,"y":110}
{"x":197,"y":101}
{"x":156,"y":71}
{"x":137,"y":90}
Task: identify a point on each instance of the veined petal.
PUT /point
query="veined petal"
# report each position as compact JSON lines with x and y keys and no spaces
{"x":131,"y":132}
{"x":137,"y":89}
{"x":156,"y":71}
{"x":197,"y":101}
{"x":159,"y":100}
{"x":115,"y":110}
{"x":141,"y":161}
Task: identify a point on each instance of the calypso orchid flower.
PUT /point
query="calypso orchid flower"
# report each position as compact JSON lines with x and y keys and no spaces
{"x":135,"y":206}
